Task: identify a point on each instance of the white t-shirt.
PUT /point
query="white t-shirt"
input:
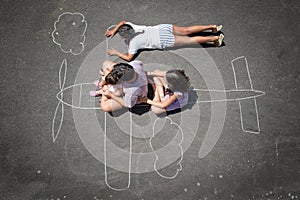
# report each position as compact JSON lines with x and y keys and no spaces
{"x":138,"y":88}
{"x":147,"y":40}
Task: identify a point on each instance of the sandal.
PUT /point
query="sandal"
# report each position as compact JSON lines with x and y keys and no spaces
{"x":219,"y":41}
{"x":217,"y":29}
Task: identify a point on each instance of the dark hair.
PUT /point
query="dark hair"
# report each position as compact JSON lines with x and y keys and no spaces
{"x":126,"y":31}
{"x":178,"y":79}
{"x":120,"y":72}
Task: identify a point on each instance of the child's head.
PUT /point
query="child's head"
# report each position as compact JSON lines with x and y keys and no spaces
{"x":126,"y":31}
{"x":178,"y":80}
{"x":121,"y":72}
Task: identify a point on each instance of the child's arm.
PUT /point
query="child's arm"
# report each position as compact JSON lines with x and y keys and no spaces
{"x":160,"y":104}
{"x":127,"y":57}
{"x":111,"y":33}
{"x":157,"y":73}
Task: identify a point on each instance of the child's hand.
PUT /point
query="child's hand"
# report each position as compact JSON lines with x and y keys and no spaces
{"x":109,"y":33}
{"x":112,"y":52}
{"x":106,"y":93}
{"x":143,"y":99}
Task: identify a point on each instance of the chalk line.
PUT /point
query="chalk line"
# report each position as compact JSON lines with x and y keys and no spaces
{"x":61,"y":86}
{"x":79,"y":103}
{"x":259,"y":93}
{"x":106,"y":40}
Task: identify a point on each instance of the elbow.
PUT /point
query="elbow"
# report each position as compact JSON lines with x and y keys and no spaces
{"x":129,"y":57}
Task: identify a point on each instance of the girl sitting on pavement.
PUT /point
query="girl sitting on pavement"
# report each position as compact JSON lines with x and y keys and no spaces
{"x":171,"y":90}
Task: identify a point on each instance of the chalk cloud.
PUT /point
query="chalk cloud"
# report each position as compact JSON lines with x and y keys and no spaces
{"x":69,"y":32}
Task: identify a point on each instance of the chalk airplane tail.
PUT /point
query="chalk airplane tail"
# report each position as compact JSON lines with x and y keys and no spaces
{"x":242,"y":80}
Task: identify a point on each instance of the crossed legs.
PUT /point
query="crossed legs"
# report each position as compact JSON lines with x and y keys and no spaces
{"x":158,"y":94}
{"x":108,"y":104}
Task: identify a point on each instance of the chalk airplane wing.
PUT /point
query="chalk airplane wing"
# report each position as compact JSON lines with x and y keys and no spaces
{"x":248,"y":107}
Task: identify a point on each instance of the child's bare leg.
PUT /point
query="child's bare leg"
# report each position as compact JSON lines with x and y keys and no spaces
{"x":178,"y":30}
{"x":109,"y":105}
{"x":157,"y":110}
{"x":159,"y":90}
{"x":185,"y":40}
{"x":163,"y":82}
{"x":158,"y":95}
{"x":106,"y":104}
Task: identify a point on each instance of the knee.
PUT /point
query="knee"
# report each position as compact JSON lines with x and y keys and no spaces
{"x":187,"y":31}
{"x":105,"y":107}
